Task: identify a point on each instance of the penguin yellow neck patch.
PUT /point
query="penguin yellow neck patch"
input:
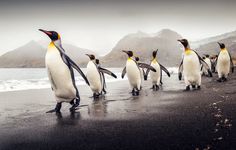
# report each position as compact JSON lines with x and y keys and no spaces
{"x":154,"y":60}
{"x":51,"y":45}
{"x":224,"y":49}
{"x":188,"y":51}
{"x":129,"y":59}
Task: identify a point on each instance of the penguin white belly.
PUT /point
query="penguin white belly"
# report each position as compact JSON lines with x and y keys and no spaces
{"x":94,"y":78}
{"x":155,"y":76}
{"x":133,"y":74}
{"x":223,"y":64}
{"x":59,"y":76}
{"x":191,"y":69}
{"x":208,"y":61}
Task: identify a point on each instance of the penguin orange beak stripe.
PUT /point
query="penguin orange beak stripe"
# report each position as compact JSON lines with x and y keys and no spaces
{"x":46,"y":32}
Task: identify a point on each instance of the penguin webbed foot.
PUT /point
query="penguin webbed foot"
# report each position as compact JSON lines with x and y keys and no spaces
{"x":95,"y":96}
{"x":153,"y":87}
{"x":157,"y":87}
{"x":198,"y":87}
{"x":51,"y":111}
{"x":187,"y":88}
{"x":135,"y":92}
{"x":74,"y":105}
{"x":219,"y":80}
{"x":56,"y":109}
{"x":224,"y":79}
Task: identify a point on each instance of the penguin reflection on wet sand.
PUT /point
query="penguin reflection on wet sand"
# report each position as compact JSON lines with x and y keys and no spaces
{"x":133,"y":72}
{"x":190,"y":66}
{"x":60,"y":72}
{"x":156,"y":76}
{"x":94,"y":76}
{"x":223,"y":63}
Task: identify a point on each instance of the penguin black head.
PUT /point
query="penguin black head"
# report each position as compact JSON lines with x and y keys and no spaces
{"x":154,"y":53}
{"x":137,"y":58}
{"x":222,"y":45}
{"x":129,"y":53}
{"x":53,"y":35}
{"x":92,"y":57}
{"x":207,"y":56}
{"x":184,"y":42}
{"x":203,"y":57}
{"x":97,"y":61}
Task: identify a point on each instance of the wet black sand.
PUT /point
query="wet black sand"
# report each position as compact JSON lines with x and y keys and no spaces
{"x":166,"y":119}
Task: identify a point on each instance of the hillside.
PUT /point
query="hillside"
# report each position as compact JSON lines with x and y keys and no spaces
{"x":142,"y":44}
{"x":32,"y":55}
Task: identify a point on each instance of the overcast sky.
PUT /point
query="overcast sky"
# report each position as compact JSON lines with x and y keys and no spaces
{"x":99,"y":24}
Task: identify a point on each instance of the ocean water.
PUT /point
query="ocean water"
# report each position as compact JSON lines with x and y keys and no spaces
{"x":15,"y":79}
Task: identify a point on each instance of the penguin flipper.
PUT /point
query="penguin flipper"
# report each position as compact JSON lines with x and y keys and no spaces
{"x":67,"y":60}
{"x":103,"y":70}
{"x":180,"y":70}
{"x":165,"y":70}
{"x":123,"y":72}
{"x":146,"y":74}
{"x":104,"y":81}
{"x":231,"y":63}
{"x":204,"y":64}
{"x":74,"y":65}
{"x":161,"y":77}
{"x":143,"y":65}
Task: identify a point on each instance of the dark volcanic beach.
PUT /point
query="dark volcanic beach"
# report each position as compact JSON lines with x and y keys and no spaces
{"x":164,"y":119}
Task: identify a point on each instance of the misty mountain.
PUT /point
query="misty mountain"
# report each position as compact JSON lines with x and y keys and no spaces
{"x":210,"y":46}
{"x":143,"y":44}
{"x":32,"y":55}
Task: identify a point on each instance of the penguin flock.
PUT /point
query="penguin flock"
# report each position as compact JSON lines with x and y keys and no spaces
{"x":60,"y":68}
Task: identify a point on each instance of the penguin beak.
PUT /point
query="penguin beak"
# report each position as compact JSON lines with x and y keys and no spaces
{"x":125,"y":51}
{"x":219,"y":43}
{"x":46,"y":32}
{"x":156,"y":50}
{"x":88,"y":55}
{"x":180,"y":41}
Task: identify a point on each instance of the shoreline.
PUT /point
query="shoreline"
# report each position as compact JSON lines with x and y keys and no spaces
{"x":164,"y":119}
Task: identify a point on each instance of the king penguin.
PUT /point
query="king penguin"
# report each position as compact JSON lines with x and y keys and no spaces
{"x":190,"y":66}
{"x":223,"y":63}
{"x":206,"y":58}
{"x":60,"y":72}
{"x":133,"y":72}
{"x":95,"y":77}
{"x":156,"y":76}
